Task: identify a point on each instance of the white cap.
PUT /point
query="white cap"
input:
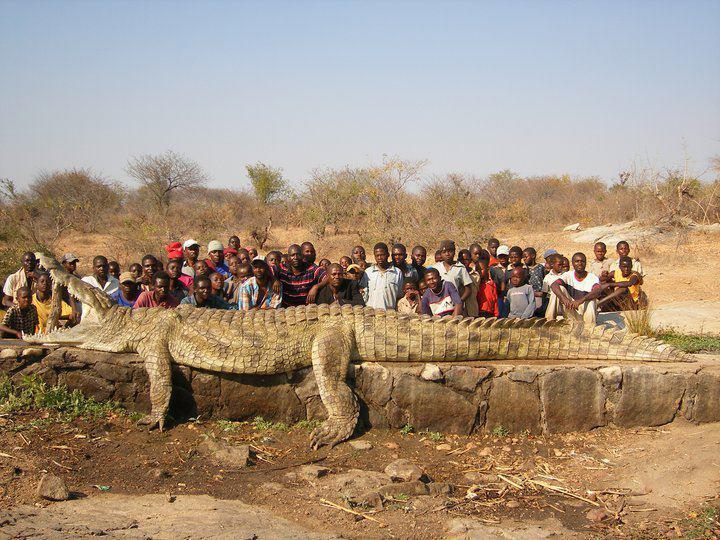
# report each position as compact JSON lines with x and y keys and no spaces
{"x":190,"y":243}
{"x":503,"y":250}
{"x":215,"y":245}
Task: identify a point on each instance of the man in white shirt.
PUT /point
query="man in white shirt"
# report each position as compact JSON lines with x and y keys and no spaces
{"x":384,"y":281}
{"x":101,"y":278}
{"x":453,"y":271}
{"x":575,"y":290}
{"x":25,"y":277}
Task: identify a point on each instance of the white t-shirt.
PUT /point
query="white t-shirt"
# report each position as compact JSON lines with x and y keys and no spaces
{"x":549,"y":279}
{"x":578,"y":288}
{"x":457,"y":274}
{"x":111,"y":285}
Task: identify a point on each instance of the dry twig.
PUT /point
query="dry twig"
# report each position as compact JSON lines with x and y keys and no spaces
{"x":331,"y":504}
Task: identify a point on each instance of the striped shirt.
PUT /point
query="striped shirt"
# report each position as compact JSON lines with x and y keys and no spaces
{"x":296,"y":288}
{"x":21,"y":320}
{"x":249,"y":296}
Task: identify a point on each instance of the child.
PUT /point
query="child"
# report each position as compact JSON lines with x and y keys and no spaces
{"x":627,"y":284}
{"x":410,"y":303}
{"x":536,"y":274}
{"x":114,"y":269}
{"x":177,"y":287}
{"x":345,"y":262}
{"x":136,"y":270}
{"x":438,"y":256}
{"x":623,"y":250}
{"x":520,"y":295}
{"x":565,"y":264}
{"x":601,"y":265}
{"x":21,"y":317}
{"x":43,"y":299}
{"x":487,"y":295}
{"x":556,"y":270}
{"x":217,"y":281}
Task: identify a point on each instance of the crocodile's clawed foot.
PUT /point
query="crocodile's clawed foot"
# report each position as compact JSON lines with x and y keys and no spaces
{"x":152,"y":421}
{"x":333,"y":431}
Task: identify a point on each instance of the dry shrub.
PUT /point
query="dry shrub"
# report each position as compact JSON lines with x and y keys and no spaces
{"x":637,"y":320}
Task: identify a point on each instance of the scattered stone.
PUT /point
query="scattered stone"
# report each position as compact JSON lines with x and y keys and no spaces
{"x":7,"y":354}
{"x":355,"y":482}
{"x":404,"y":488}
{"x":481,"y":478}
{"x":512,"y":504}
{"x":440,"y":488}
{"x":161,"y":473}
{"x":444,"y":447}
{"x":572,"y":227}
{"x":371,"y":499}
{"x":32,"y":351}
{"x":171,"y":498}
{"x":485,"y":452}
{"x":431,"y":373}
{"x":403,"y":470}
{"x":597,"y":515}
{"x":52,"y":488}
{"x":558,"y":453}
{"x":225,"y":454}
{"x":361,"y":445}
{"x":311,"y":472}
{"x":391,"y":445}
{"x":506,"y":449}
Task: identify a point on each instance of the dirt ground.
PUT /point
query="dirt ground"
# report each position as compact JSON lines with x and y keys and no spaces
{"x":126,"y":482}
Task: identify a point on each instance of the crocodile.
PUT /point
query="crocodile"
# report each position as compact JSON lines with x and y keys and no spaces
{"x":326,"y":337}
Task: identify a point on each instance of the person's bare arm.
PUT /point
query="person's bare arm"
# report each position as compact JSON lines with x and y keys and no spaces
{"x":7,"y":301}
{"x":457,"y":310}
{"x":8,"y":330}
{"x":562,"y":295}
{"x":465,"y":292}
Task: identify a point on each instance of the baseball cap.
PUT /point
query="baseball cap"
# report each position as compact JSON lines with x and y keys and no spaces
{"x":503,"y":250}
{"x":69,"y":257}
{"x":229,"y":250}
{"x":549,"y":252}
{"x":126,"y":276}
{"x":189,"y":243}
{"x":215,"y":245}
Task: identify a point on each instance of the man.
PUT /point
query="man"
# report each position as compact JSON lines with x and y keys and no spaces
{"x":149,"y":265}
{"x":69,"y":263}
{"x":575,"y":290}
{"x":308,"y":253}
{"x":338,"y":289}
{"x":471,"y":255}
{"x":128,"y":293}
{"x":234,"y":243}
{"x":192,"y":252}
{"x":21,"y":317}
{"x":299,"y":279}
{"x":358,"y":254}
{"x":202,"y":297}
{"x":441,"y":297}
{"x":492,"y":247}
{"x":101,"y":277}
{"x":42,"y":300}
{"x":257,"y":291}
{"x":216,"y":258}
{"x":384,"y":281}
{"x":453,"y":271}
{"x":25,"y":277}
{"x":419,"y":256}
{"x":159,"y":296}
{"x":399,"y":257}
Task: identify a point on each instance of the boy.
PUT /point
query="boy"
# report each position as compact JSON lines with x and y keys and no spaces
{"x":21,"y":317}
{"x":177,"y":287}
{"x":410,"y":303}
{"x":42,"y":300}
{"x":217,"y":280}
{"x":127,"y":294}
{"x":136,"y":270}
{"x":384,"y":281}
{"x":159,"y":295}
{"x":520,"y":295}
{"x":498,"y":275}
{"x":556,"y":270}
{"x":487,"y":295}
{"x":623,"y":250}
{"x":418,"y":256}
{"x":627,"y":284}
{"x":536,"y":274}
{"x":601,"y":264}
{"x":114,"y":269}
{"x":441,"y":297}
{"x":492,"y":246}
{"x":565,"y":264}
{"x":453,"y":271}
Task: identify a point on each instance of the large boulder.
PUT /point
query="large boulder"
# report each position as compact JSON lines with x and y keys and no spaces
{"x":649,"y":398}
{"x":513,"y":405}
{"x":573,"y":400}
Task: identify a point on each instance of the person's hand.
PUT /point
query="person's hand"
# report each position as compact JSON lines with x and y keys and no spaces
{"x":575,"y":304}
{"x":567,"y":303}
{"x":312,"y":293}
{"x":276,"y":286}
{"x":18,"y":334}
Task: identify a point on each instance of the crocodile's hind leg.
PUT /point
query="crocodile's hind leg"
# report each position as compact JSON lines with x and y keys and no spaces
{"x":157,"y":365}
{"x":330,"y":360}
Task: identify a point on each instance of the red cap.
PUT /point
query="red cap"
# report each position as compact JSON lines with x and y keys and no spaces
{"x":175,"y":246}
{"x":229,"y":250}
{"x":175,"y":254}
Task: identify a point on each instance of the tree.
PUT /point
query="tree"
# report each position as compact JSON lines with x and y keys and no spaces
{"x":267,"y":182}
{"x":164,"y":174}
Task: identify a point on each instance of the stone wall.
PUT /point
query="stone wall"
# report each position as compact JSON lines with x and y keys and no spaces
{"x":461,"y":399}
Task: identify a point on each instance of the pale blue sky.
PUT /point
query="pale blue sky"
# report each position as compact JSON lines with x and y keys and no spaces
{"x":539,"y":87}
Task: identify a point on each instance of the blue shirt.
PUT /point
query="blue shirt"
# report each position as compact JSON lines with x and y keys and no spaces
{"x":120,"y":299}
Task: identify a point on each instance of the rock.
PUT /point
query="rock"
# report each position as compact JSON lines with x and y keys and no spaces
{"x":52,"y":488}
{"x":355,"y":481}
{"x":373,"y":384}
{"x":512,"y":504}
{"x":307,"y":387}
{"x":523,"y":375}
{"x":32,"y":351}
{"x":573,"y":400}
{"x":612,"y":376}
{"x":466,"y":378}
{"x":707,"y":400}
{"x":403,"y":470}
{"x":440,"y":488}
{"x":94,"y":387}
{"x":481,"y":478}
{"x":113,"y":372}
{"x":312,"y":472}
{"x":391,"y":445}
{"x":514,"y":406}
{"x":431,"y":373}
{"x":443,"y":447}
{"x":160,"y":473}
{"x":573,"y":227}
{"x":8,"y":354}
{"x":269,"y":396}
{"x":597,"y":515}
{"x":485,"y":452}
{"x":433,"y":406}
{"x":360,"y":445}
{"x":370,"y":499}
{"x":404,"y":488}
{"x":648,"y":398}
{"x":225,"y":454}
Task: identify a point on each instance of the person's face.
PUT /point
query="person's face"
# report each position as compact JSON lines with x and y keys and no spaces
{"x":216,"y":256}
{"x":516,"y":278}
{"x":174,"y":268}
{"x":447,"y":255}
{"x":335,"y":275}
{"x":29,"y":262}
{"x":514,"y":258}
{"x":411,"y":293}
{"x":114,"y":269}
{"x":201,"y":268}
{"x":399,"y":256}
{"x":149,"y":267}
{"x":70,"y":266}
{"x":100,"y":268}
{"x":423,"y":286}
{"x":493,"y":247}
{"x":483,"y":268}
{"x":578,"y":262}
{"x":296,"y":258}
{"x":272,"y":259}
{"x":419,"y":256}
{"x":244,"y":257}
{"x":475,"y":253}
{"x":136,"y":270}
{"x":252,"y":252}
{"x":234,"y":242}
{"x":217,"y":282}
{"x":358,"y":253}
{"x":465,"y":258}
{"x":308,"y":253}
{"x":202,"y":292}
{"x":23,"y":299}
{"x":128,"y":288}
{"x":192,"y":252}
{"x":259,"y":272}
{"x":557,"y":265}
{"x":162,"y":286}
{"x":625,"y":269}
{"x":600,"y":252}
{"x":565,"y":265}
{"x":244,"y":273}
{"x":233,"y":264}
{"x":345,"y":262}
{"x":325,"y":263}
{"x":381,"y":256}
{"x":528,"y":258}
{"x":623,"y":249}
{"x":503,"y":259}
{"x":432,"y":280}
{"x":43,"y":284}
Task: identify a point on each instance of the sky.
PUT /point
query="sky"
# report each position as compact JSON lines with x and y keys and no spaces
{"x":539,"y":87}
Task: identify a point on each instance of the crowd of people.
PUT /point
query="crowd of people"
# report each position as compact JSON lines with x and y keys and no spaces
{"x":492,"y":281}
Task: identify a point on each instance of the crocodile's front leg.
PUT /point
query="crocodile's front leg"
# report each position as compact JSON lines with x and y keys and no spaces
{"x":330,"y":360}
{"x":154,"y":352}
